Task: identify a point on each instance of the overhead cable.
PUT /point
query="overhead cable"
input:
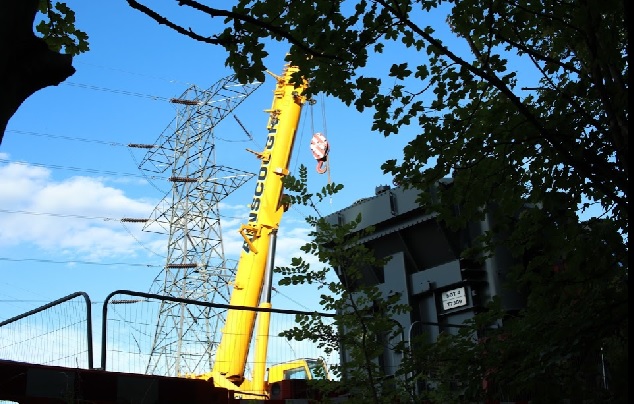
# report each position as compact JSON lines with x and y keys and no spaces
{"x":116,"y":91}
{"x":48,"y":261}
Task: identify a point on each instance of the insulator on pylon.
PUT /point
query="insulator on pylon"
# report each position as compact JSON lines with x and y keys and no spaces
{"x":142,"y":146}
{"x":183,"y":179}
{"x":133,"y":220}
{"x":181,"y":265}
{"x":184,"y":102}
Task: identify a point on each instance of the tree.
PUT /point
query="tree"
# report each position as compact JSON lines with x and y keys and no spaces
{"x":362,"y":325}
{"x":525,"y":105}
{"x":31,"y":63}
{"x":568,"y":133}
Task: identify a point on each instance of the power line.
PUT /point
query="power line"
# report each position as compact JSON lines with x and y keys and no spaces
{"x":290,"y":298}
{"x":88,"y":170}
{"x":140,"y":243}
{"x":73,"y":138}
{"x":25,"y":212}
{"x":37,"y":301}
{"x":48,"y":261}
{"x":116,"y":91}
{"x":116,"y":173}
{"x":135,"y":74}
{"x":107,"y":142}
{"x":22,"y":301}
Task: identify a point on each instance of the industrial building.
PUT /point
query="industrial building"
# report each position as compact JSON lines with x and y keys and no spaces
{"x":425,"y":267}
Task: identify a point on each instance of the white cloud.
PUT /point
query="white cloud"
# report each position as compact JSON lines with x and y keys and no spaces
{"x":80,"y":216}
{"x":289,"y":243}
{"x":78,"y":219}
{"x":74,"y":216}
{"x":19,"y":181}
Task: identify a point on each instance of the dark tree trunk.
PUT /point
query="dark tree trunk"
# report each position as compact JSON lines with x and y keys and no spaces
{"x":26,"y":63}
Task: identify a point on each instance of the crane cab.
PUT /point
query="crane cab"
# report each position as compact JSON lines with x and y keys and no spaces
{"x":304,"y":369}
{"x":291,"y":380}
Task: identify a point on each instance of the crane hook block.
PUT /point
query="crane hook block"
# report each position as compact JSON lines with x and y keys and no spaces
{"x":322,"y":167}
{"x":319,"y":147}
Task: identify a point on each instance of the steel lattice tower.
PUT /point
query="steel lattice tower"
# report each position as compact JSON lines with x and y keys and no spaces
{"x":196,"y":268}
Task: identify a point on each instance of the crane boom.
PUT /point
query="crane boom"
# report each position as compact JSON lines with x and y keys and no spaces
{"x":266,"y":212}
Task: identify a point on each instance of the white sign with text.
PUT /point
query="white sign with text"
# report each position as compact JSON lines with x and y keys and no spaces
{"x":454,"y":298}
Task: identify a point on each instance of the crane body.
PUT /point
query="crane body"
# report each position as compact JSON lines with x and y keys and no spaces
{"x":253,"y":275}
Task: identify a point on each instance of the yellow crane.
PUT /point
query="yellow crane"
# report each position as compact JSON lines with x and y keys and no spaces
{"x":252,"y":285}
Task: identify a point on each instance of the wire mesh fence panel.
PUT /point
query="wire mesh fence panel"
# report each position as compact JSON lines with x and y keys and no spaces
{"x":131,"y":338}
{"x":282,"y":349}
{"x":58,"y":334}
{"x":130,"y":328}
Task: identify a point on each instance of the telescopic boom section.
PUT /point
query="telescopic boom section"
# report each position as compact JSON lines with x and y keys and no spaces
{"x":266,"y":212}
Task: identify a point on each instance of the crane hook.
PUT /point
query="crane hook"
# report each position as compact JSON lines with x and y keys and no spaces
{"x":321,"y":167}
{"x":320,"y":148}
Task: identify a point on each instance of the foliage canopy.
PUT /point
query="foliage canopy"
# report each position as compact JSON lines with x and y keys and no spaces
{"x":564,"y":131}
{"x":57,"y":28}
{"x":525,"y":105}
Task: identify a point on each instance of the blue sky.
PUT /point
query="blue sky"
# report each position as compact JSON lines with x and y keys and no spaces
{"x":67,"y":177}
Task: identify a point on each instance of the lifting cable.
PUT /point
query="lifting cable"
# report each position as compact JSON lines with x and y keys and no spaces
{"x":319,"y":145}
{"x":323,"y":116}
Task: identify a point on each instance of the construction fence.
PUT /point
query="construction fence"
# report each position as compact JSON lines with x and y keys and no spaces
{"x":61,"y":333}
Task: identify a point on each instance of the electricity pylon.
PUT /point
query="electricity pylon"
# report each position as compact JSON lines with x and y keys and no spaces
{"x":196,"y":267}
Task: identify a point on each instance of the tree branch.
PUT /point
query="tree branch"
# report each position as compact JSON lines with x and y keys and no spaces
{"x":553,"y":138}
{"x":214,"y":12}
{"x":181,"y":30}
